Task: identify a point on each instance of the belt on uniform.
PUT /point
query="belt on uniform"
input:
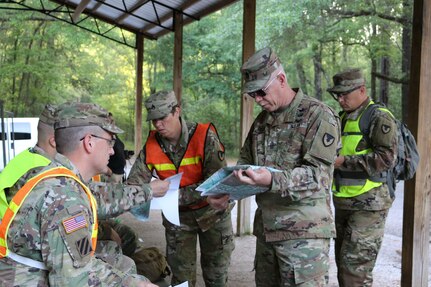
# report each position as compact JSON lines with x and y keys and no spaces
{"x":196,"y":206}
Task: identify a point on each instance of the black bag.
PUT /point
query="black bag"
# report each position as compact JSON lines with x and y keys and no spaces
{"x":407,"y":156}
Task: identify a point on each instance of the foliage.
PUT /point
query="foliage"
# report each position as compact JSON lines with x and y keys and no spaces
{"x":43,"y":60}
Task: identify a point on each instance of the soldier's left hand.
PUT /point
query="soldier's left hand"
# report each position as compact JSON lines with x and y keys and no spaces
{"x":218,"y":202}
{"x":260,"y":177}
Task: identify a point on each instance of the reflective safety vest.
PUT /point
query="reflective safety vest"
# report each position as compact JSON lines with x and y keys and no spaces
{"x":192,"y":162}
{"x":20,"y":164}
{"x":350,"y":184}
{"x":22,"y":194}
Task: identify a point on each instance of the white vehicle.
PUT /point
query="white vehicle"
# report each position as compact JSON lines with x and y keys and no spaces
{"x":19,"y":134}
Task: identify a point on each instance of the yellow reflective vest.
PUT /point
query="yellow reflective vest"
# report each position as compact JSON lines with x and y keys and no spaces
{"x":20,"y":164}
{"x":350,"y":184}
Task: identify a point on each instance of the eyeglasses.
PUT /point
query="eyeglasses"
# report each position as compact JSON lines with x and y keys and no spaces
{"x":262,"y":92}
{"x":337,"y":96}
{"x":111,"y":142}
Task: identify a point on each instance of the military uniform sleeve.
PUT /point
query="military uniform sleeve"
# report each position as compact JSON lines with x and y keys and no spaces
{"x":319,"y":148}
{"x":384,"y":143}
{"x":139,"y":174}
{"x":116,"y":198}
{"x":214,"y":154}
{"x":65,"y":230}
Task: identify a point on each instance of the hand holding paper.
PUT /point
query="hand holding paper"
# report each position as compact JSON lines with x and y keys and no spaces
{"x":224,"y":181}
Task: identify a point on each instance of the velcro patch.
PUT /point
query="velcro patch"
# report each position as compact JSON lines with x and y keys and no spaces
{"x":328,"y":139}
{"x":84,"y":246}
{"x":386,"y":129}
{"x":221,"y":155}
{"x":74,"y":223}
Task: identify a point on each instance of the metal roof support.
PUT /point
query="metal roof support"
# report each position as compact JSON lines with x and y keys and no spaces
{"x":178,"y":55}
{"x":416,"y":217}
{"x":243,"y":223}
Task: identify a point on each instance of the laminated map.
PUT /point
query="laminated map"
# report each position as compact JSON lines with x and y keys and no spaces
{"x":224,"y":181}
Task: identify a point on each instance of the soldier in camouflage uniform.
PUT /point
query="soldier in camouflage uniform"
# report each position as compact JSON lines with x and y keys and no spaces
{"x":299,"y":136}
{"x":195,"y":149}
{"x":361,"y":199}
{"x":53,"y":229}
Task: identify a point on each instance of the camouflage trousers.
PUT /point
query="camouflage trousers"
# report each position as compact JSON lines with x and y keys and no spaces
{"x":299,"y":262}
{"x":216,"y":246}
{"x":359,"y":238}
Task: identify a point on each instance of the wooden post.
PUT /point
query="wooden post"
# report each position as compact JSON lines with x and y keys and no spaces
{"x":416,"y":218}
{"x":139,"y":88}
{"x":178,"y":55}
{"x":243,"y":223}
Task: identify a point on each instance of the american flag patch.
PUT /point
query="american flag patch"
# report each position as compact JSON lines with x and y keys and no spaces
{"x":74,"y":223}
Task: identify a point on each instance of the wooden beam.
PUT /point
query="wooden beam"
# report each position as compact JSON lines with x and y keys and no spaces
{"x":243,"y":223}
{"x":139,"y":88}
{"x":416,"y":218}
{"x":178,"y":55}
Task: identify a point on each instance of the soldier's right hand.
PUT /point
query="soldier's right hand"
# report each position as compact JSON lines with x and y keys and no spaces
{"x":159,"y":187}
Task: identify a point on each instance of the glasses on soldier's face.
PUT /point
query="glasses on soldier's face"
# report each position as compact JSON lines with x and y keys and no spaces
{"x":338,"y":96}
{"x":262,"y":92}
{"x":111,"y":142}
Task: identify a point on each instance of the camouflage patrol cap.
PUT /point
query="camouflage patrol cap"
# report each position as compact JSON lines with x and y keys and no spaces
{"x":48,"y":115}
{"x":258,"y":69}
{"x":347,"y":80}
{"x":160,"y":104}
{"x":85,"y":114}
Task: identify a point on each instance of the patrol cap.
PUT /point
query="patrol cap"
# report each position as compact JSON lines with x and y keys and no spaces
{"x":160,"y":104}
{"x":347,"y":80}
{"x":85,"y":114}
{"x":257,"y":70}
{"x":48,"y":115}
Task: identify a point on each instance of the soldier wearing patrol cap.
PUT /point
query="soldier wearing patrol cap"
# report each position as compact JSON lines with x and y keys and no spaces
{"x":195,"y":149}
{"x":360,"y":194}
{"x":48,"y":233}
{"x":299,"y":136}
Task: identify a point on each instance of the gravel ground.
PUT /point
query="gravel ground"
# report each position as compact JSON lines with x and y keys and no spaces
{"x":387,"y":272}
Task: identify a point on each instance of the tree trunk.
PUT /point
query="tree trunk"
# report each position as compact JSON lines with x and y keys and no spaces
{"x":317,"y":63}
{"x":405,"y":62}
{"x":384,"y":84}
{"x":373,"y":69}
{"x":301,"y":76}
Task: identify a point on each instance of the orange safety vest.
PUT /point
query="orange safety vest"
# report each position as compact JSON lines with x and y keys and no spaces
{"x":192,"y":162}
{"x":21,"y":195}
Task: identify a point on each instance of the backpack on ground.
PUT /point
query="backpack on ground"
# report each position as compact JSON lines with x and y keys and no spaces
{"x":151,"y":263}
{"x":407,"y":156}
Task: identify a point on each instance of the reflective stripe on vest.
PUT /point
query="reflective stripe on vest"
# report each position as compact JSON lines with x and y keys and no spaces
{"x":350,"y":138}
{"x":192,"y":162}
{"x":19,"y":165}
{"x":22,"y":194}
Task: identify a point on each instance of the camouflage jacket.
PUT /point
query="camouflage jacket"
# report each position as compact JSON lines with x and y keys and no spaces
{"x":214,"y":160}
{"x":302,"y":142}
{"x":38,"y":233}
{"x":383,"y":156}
{"x":112,"y":198}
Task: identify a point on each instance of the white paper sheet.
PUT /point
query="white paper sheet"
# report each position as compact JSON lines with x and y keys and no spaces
{"x":184,"y":284}
{"x":169,"y":203}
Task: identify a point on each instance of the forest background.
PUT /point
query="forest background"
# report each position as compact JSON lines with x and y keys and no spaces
{"x":43,"y":60}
